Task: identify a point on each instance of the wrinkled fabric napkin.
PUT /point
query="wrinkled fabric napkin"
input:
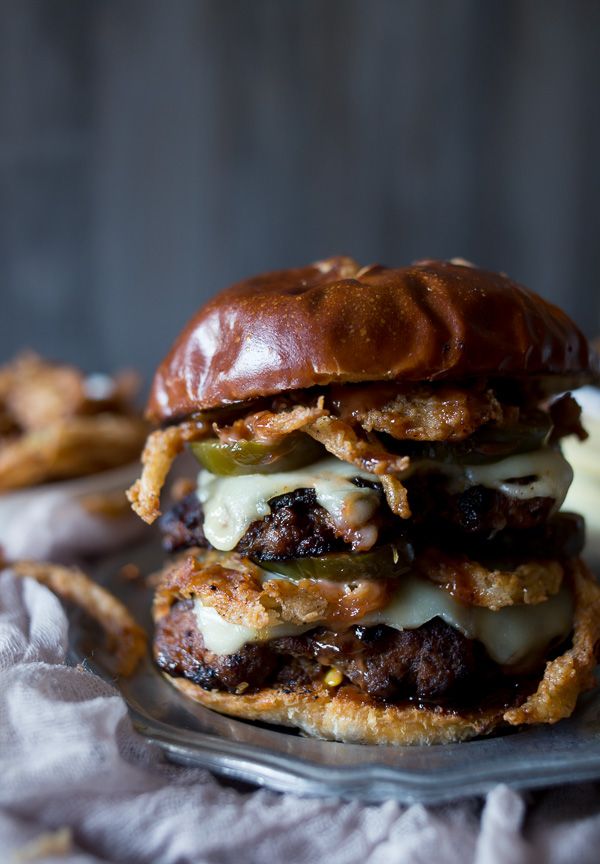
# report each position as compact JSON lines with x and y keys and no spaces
{"x":78,"y":784}
{"x":58,"y":521}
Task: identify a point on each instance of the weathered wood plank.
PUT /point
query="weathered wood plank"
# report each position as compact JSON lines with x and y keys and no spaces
{"x":152,"y":152}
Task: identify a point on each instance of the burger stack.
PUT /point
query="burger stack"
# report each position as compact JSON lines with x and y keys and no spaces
{"x":374,"y":548}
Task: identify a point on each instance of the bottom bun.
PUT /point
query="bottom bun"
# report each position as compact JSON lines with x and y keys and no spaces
{"x":344,"y":714}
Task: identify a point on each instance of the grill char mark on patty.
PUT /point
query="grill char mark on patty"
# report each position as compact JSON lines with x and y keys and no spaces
{"x":478,"y":512}
{"x":428,"y":663}
{"x":296,"y":527}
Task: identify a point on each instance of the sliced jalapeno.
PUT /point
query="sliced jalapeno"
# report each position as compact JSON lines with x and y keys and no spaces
{"x":497,"y":442}
{"x":382,"y":563}
{"x":251,"y":457}
{"x":488,"y":444}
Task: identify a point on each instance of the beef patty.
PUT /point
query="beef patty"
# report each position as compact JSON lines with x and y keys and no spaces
{"x":181,"y":526}
{"x":297,"y":526}
{"x":179,"y":650}
{"x":430,"y":663}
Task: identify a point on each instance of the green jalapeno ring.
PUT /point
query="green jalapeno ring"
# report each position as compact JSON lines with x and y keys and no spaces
{"x":384,"y":562}
{"x":252,"y":457}
{"x":487,"y":445}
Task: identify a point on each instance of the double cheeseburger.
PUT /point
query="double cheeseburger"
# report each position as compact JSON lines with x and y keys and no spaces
{"x":374,"y":549}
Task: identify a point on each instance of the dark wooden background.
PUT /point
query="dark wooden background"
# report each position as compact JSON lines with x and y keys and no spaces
{"x":153,"y":152}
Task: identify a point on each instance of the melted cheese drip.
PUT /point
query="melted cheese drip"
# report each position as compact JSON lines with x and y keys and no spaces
{"x":223,"y":637}
{"x":553,"y":476}
{"x":231,"y":504}
{"x":510,"y":635}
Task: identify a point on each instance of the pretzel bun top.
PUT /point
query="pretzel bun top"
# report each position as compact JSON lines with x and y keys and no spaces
{"x":337,"y":322}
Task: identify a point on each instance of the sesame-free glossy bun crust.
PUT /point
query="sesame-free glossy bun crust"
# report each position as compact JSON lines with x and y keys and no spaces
{"x":337,"y":322}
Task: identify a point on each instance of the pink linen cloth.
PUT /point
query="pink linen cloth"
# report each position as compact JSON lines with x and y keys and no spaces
{"x":78,"y":784}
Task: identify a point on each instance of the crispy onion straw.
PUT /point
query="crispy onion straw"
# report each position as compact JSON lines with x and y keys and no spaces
{"x":268,"y":426}
{"x":341,"y":440}
{"x":422,"y":413}
{"x":56,"y":423}
{"x":473,"y":583}
{"x":232,"y":585}
{"x":162,"y":447}
{"x":72,"y":447}
{"x":573,"y":672}
{"x":396,"y":495}
{"x":126,"y":641}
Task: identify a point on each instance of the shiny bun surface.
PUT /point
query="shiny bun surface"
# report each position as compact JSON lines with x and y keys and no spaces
{"x":338,"y":322}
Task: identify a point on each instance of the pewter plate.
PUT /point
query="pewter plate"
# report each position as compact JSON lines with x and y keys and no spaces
{"x":287,"y":762}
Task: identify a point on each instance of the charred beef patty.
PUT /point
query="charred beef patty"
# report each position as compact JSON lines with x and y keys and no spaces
{"x":297,"y":526}
{"x":478,"y":512}
{"x":429,"y":663}
{"x":181,"y":526}
{"x":561,"y":536}
{"x":179,"y":650}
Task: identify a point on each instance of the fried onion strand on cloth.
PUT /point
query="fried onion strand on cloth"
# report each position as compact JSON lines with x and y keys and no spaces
{"x":474,"y":584}
{"x":162,"y":447}
{"x":126,"y":640}
{"x":573,"y":672}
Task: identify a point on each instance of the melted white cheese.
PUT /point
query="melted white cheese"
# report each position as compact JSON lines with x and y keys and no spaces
{"x":223,"y":637}
{"x":231,"y":504}
{"x":551,"y":472}
{"x":219,"y":635}
{"x":510,"y":635}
